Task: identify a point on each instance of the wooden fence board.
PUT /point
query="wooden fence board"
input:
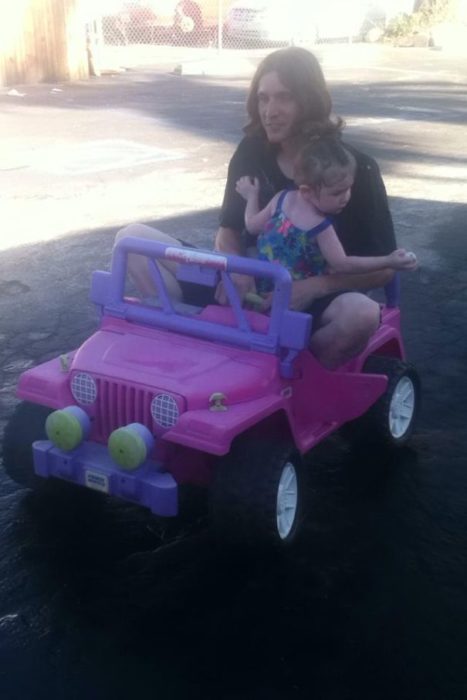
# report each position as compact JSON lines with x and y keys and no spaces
{"x":42,"y":41}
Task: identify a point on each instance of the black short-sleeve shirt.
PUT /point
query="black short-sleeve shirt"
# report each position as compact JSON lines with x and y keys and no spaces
{"x":365,"y":225}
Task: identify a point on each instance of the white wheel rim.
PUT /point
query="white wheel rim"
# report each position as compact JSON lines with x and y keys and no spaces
{"x":402,"y":407}
{"x":187,"y":24}
{"x":287,"y":500}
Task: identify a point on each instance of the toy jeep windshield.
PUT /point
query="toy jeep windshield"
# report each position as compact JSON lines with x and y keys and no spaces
{"x":165,"y":394}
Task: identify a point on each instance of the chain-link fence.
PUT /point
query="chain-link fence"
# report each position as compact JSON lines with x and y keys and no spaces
{"x":242,"y":23}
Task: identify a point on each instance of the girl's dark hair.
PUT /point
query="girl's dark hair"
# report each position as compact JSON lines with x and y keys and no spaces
{"x":322,"y":160}
{"x":300,"y":72}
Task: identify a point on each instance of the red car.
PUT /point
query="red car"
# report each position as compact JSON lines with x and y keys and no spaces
{"x":142,"y":21}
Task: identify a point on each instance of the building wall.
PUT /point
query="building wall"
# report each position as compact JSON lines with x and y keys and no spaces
{"x":42,"y":41}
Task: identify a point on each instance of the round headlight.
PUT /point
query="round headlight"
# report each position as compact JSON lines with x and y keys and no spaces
{"x":84,"y":389}
{"x":164,"y":410}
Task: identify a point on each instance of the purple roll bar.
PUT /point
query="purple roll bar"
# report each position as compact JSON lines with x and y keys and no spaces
{"x":287,"y":329}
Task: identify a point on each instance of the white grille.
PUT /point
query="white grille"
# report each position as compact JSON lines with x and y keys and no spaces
{"x":164,"y":410}
{"x":84,"y":389}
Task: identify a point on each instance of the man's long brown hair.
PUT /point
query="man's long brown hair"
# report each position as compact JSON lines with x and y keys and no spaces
{"x":300,"y":72}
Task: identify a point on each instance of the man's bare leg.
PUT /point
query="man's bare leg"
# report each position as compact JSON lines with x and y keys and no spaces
{"x":138,"y":264}
{"x":347,"y":325}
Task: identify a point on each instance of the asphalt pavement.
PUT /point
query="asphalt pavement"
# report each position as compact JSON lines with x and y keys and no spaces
{"x":374,"y":607}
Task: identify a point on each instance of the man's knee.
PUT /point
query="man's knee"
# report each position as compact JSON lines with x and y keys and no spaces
{"x":353,"y":314}
{"x":130,"y":230}
{"x":366,"y":315}
{"x":138,"y":231}
{"x":347,"y":325}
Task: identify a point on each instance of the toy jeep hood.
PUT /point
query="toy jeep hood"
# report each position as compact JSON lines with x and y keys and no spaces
{"x":164,"y":361}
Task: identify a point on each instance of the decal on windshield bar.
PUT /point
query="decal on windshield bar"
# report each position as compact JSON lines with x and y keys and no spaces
{"x":187,"y":255}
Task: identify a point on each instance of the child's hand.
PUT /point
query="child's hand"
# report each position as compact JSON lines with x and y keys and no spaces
{"x":247,"y":186}
{"x":259,"y":302}
{"x":402,"y":259}
{"x":243,"y":284}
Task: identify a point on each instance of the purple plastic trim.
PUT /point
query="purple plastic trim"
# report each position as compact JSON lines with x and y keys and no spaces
{"x":91,"y":465}
{"x":286,"y":329}
{"x":209,"y":277}
{"x":158,"y":281}
{"x":392,"y":291}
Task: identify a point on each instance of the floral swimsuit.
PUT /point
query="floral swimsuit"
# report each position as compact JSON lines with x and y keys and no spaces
{"x":297,"y":250}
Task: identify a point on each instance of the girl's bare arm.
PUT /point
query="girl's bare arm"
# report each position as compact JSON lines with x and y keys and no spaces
{"x":335,"y":256}
{"x":255,"y":219}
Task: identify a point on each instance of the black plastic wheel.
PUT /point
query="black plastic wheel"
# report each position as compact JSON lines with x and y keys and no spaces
{"x":390,"y":421}
{"x":258,"y":493}
{"x":26,"y":425}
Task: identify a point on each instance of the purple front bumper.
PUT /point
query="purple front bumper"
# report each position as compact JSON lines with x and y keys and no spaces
{"x":90,"y":465}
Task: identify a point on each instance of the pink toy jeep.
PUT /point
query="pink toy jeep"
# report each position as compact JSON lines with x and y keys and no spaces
{"x":165,"y":394}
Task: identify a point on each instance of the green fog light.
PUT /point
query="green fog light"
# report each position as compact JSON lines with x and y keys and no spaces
{"x":129,"y":446}
{"x":64,"y":429}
